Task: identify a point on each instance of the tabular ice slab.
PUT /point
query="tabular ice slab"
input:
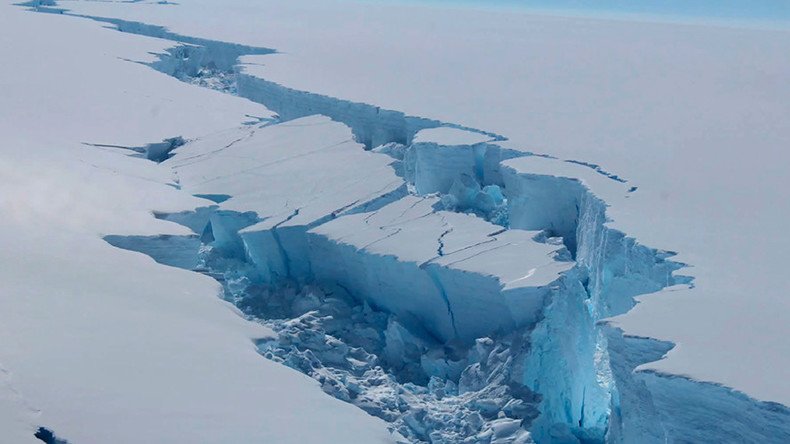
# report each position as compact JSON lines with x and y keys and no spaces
{"x":459,"y":276}
{"x":290,"y":176}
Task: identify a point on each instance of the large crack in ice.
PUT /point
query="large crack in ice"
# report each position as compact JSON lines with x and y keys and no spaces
{"x":567,"y":378}
{"x":214,"y":64}
{"x":437,"y":281}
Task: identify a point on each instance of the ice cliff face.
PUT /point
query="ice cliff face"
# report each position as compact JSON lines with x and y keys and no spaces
{"x":424,"y":273}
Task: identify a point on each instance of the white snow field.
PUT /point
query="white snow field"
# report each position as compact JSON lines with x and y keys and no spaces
{"x":467,"y":225}
{"x":103,"y":345}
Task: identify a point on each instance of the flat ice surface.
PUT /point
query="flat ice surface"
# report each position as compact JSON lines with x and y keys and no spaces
{"x":412,"y":231}
{"x":450,"y":136}
{"x":99,"y":344}
{"x":694,"y":116}
{"x":311,"y":164}
{"x":599,"y":184}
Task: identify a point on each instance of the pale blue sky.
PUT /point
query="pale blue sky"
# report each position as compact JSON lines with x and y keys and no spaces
{"x":775,"y":11}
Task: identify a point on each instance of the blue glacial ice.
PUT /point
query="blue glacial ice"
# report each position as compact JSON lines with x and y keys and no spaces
{"x":448,"y":326}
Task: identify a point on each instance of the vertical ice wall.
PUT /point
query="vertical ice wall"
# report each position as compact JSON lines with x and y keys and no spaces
{"x":460,"y":277}
{"x":643,"y":407}
{"x":372,"y":126}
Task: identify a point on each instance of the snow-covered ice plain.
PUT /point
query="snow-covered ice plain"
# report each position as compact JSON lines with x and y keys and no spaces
{"x":389,"y":223}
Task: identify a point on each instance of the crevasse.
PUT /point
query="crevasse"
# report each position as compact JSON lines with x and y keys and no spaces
{"x":544,"y":371}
